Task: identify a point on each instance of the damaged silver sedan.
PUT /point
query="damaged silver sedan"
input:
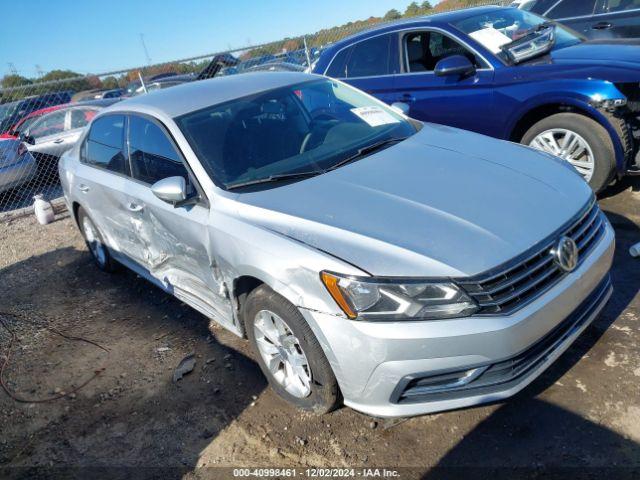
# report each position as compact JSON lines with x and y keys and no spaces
{"x":403,"y":267}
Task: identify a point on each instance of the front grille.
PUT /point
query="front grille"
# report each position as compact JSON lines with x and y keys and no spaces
{"x":502,"y":375}
{"x":509,"y":287}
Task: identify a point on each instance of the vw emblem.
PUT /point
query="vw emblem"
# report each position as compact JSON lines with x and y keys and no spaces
{"x":565,"y":254}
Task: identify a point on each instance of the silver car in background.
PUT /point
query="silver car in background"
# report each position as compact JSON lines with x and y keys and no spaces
{"x":404,"y":267}
{"x":17,"y":165}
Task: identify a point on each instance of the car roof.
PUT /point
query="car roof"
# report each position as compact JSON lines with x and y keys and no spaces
{"x":192,"y":96}
{"x":436,"y":19}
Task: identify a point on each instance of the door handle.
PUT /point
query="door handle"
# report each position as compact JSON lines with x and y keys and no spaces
{"x":602,"y":26}
{"x":407,"y":98}
{"x":59,"y":140}
{"x":83,"y":188}
{"x":134,"y":207}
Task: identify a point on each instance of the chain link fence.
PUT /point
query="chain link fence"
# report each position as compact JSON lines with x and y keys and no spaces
{"x":43,"y":118}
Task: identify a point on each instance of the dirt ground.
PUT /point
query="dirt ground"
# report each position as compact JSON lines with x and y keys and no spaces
{"x":583,"y":413}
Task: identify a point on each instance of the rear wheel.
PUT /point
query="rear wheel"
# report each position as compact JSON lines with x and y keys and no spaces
{"x":579,"y":140}
{"x":95,"y":243}
{"x":288,"y":352}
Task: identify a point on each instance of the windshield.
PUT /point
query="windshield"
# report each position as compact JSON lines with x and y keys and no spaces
{"x":299,"y":129}
{"x":499,"y":28}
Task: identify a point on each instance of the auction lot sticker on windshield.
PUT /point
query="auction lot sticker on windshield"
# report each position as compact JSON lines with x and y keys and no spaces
{"x":490,"y":38}
{"x":374,"y":116}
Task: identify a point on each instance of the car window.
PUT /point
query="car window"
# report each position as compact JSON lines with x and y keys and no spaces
{"x":337,"y":67}
{"x":151,"y":153}
{"x":537,"y":6}
{"x":80,"y":117}
{"x":369,"y":58}
{"x":423,"y":50}
{"x":572,"y":8}
{"x":49,"y":124}
{"x":104,"y":145}
{"x":622,"y":5}
{"x":309,"y":127}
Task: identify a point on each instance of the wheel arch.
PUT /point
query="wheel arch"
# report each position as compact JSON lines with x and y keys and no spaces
{"x":534,"y":113}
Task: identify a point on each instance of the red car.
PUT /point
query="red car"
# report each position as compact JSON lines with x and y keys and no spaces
{"x":28,"y":120}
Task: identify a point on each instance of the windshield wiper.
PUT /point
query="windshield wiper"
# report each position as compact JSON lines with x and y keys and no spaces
{"x":364,"y":151}
{"x":275,"y":178}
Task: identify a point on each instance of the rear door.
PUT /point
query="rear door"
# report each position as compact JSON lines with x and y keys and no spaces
{"x":103,"y":182}
{"x":175,"y":239}
{"x":622,"y":18}
{"x":460,"y":102}
{"x":369,"y":65}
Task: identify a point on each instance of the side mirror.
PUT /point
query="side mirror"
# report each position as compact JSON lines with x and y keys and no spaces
{"x":400,"y":107}
{"x":455,"y":65}
{"x":27,"y":138}
{"x":171,"y":190}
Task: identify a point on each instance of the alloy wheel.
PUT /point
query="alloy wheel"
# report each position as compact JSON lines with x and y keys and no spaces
{"x":569,"y":146}
{"x":282,"y":353}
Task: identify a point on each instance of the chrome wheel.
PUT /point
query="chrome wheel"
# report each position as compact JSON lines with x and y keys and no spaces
{"x":569,"y":146}
{"x":93,"y":241}
{"x":282,"y":354}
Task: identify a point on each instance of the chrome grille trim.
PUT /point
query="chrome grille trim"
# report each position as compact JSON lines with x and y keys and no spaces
{"x":507,"y":288}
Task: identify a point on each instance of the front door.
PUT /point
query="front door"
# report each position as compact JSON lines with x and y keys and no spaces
{"x":451,"y":100}
{"x":175,"y":239}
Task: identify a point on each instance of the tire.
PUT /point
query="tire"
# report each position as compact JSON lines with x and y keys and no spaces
{"x":323,"y":395}
{"x":95,"y":243}
{"x":594,"y":135}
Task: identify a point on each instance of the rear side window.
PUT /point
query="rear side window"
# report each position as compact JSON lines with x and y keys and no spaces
{"x":369,"y":58}
{"x":104,"y":145}
{"x":151,"y":152}
{"x":339,"y":63}
{"x":572,"y":8}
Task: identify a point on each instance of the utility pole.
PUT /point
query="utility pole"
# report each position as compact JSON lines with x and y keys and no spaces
{"x":144,"y":47}
{"x":39,"y":71}
{"x":12,"y":68}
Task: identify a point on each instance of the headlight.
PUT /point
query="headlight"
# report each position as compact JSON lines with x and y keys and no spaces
{"x":372,"y":299}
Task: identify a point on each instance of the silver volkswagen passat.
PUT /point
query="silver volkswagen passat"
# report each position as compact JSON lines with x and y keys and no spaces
{"x":403,"y":267}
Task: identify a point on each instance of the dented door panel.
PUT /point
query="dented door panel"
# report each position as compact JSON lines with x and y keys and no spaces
{"x":177,"y":252}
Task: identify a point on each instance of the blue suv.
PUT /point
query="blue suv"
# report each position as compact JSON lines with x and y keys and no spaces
{"x":507,"y":73}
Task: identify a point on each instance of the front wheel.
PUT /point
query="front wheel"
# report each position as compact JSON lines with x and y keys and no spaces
{"x":579,"y":140}
{"x":288,"y":352}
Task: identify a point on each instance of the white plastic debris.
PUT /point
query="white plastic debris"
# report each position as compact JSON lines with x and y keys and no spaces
{"x":634,"y":251}
{"x":43,"y":210}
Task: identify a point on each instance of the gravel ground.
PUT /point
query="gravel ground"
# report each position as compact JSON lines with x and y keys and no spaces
{"x":583,"y":412}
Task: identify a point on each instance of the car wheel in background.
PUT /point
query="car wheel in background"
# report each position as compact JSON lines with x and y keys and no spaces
{"x":581,"y":141}
{"x":95,"y":244}
{"x":288,"y":352}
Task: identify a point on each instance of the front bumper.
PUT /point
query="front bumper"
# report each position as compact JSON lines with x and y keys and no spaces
{"x":375,"y":363}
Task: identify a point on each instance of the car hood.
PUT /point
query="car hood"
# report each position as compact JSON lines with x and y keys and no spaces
{"x":614,"y":52}
{"x":444,"y":202}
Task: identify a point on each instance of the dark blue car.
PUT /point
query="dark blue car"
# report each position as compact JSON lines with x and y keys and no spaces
{"x":509,"y":74}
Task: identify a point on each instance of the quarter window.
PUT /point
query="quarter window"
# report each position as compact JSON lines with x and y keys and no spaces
{"x":151,"y":153}
{"x":104,"y":145}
